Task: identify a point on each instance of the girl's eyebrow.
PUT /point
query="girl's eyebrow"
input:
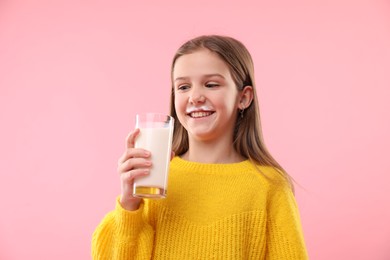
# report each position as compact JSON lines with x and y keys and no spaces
{"x":214,"y":75}
{"x":181,"y":78}
{"x":204,"y":76}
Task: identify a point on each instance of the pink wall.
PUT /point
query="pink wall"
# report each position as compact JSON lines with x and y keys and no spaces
{"x":74,"y":73}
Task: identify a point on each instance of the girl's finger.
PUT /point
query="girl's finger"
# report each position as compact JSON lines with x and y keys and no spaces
{"x":129,"y":176}
{"x":133,"y":153}
{"x":130,"y":139}
{"x":134,"y":163}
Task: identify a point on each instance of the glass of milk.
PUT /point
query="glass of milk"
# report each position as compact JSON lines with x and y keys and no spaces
{"x":156,"y":131}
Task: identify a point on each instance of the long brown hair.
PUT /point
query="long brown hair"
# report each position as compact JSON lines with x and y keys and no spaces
{"x":247,"y":137}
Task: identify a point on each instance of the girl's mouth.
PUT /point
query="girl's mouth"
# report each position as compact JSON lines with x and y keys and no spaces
{"x":200,"y":114}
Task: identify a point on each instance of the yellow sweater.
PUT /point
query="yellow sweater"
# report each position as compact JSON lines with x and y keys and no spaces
{"x":212,"y":211}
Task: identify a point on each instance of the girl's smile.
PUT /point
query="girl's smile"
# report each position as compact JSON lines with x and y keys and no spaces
{"x":199,"y":112}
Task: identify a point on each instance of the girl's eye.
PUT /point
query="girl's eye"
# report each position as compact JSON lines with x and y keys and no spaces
{"x":211,"y":85}
{"x":183,"y":87}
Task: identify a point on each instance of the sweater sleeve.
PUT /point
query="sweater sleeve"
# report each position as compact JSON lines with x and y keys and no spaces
{"x":123,"y":234}
{"x":284,"y":232}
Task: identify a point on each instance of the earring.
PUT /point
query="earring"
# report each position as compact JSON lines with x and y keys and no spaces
{"x":242,"y":113}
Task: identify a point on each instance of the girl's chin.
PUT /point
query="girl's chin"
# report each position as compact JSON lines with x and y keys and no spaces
{"x":202,"y":135}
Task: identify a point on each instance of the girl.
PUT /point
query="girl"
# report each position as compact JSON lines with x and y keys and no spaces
{"x":227,"y":197}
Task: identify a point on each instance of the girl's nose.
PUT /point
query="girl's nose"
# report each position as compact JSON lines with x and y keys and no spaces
{"x":196,"y":97}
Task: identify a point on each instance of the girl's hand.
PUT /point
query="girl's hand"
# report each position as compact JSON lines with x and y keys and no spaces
{"x":133,"y":163}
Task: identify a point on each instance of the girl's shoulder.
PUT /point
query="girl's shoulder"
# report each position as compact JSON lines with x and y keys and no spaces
{"x":272,"y":176}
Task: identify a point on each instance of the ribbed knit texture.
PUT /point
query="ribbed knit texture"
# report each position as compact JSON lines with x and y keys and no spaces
{"x":212,"y":211}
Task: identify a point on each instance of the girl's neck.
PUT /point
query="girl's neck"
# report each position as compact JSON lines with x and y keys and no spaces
{"x":211,"y":152}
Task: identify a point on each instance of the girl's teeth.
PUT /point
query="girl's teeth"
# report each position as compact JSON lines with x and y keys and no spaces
{"x":200,"y":114}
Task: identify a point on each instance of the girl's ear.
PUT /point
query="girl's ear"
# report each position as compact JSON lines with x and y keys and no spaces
{"x":246,"y":97}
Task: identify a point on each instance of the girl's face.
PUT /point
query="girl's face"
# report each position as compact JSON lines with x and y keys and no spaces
{"x":206,"y":97}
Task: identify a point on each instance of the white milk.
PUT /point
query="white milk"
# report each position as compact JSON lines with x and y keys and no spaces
{"x":158,"y":142}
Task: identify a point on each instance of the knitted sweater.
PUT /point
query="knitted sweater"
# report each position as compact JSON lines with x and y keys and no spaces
{"x":212,"y":211}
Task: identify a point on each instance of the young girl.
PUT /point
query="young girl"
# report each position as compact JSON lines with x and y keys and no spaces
{"x":227,"y":197}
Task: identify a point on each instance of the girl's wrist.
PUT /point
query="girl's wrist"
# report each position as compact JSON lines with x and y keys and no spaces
{"x":130,"y":203}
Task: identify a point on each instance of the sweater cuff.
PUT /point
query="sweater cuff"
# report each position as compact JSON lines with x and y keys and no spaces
{"x":128,"y":222}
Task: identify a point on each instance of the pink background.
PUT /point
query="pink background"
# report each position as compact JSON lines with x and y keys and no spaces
{"x":74,"y":73}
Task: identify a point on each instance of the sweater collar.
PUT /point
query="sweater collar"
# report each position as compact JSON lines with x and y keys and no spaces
{"x":211,"y":168}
